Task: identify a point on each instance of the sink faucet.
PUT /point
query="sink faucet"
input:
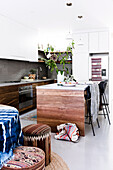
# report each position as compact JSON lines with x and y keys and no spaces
{"x":37,"y":76}
{"x":39,"y":69}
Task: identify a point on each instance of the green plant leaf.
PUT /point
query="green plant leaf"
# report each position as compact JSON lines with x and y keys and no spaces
{"x":57,"y":71}
{"x":66,"y":68}
{"x":67,"y":72}
{"x":73,"y":44}
{"x":61,"y":72}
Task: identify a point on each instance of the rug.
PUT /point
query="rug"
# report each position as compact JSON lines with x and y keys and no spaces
{"x":30,"y":116}
{"x":57,"y":163}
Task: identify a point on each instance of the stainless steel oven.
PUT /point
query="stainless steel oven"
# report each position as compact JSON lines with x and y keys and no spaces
{"x":25,"y":96}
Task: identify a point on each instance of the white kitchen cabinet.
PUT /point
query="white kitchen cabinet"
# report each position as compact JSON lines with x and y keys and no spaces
{"x":81,"y":42}
{"x":93,"y":42}
{"x":17,"y":41}
{"x":104,"y":41}
{"x":80,"y":66}
{"x":99,"y":42}
{"x":80,"y":57}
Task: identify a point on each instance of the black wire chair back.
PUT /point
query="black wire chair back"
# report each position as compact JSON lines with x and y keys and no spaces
{"x":103,"y":99}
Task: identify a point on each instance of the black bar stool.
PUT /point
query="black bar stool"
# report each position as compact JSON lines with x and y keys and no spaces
{"x":104,"y":102}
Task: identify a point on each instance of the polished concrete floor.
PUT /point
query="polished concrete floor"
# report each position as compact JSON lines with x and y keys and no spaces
{"x":91,"y":152}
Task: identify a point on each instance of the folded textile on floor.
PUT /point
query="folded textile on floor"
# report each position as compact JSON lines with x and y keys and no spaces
{"x":68,"y":131}
{"x":10,"y":132}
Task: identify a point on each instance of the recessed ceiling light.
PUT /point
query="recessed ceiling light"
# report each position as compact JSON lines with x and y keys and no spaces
{"x":69,"y":4}
{"x":80,"y":16}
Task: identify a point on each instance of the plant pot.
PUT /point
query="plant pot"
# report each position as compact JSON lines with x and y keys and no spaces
{"x":60,"y":78}
{"x":32,"y":76}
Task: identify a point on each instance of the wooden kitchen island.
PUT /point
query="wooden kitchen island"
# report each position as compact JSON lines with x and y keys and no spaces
{"x":58,"y":104}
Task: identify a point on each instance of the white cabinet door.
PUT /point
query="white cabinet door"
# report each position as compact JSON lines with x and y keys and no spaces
{"x":80,"y":66}
{"x":81,"y":42}
{"x":98,"y":42}
{"x":17,"y":41}
{"x":93,"y":42}
{"x":104,"y":41}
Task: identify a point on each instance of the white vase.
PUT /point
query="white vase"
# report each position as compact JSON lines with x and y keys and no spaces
{"x":60,"y":78}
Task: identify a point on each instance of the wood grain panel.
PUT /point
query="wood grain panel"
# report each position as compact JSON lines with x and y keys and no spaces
{"x":9,"y":95}
{"x":61,"y":106}
{"x":59,"y":114}
{"x":66,"y":102}
{"x":11,"y":99}
{"x":34,"y":89}
{"x":54,"y":122}
{"x":7,"y":89}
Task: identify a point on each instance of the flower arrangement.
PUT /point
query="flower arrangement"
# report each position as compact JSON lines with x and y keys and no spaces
{"x":69,"y":78}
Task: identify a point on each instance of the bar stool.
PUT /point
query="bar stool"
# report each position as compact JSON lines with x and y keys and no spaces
{"x":87,"y":96}
{"x":103,"y":100}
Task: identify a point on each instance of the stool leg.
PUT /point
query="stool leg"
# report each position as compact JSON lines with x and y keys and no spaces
{"x":90,"y":120}
{"x":108,"y":119}
{"x":98,"y":123}
{"x":46,"y":151}
{"x":107,"y":112}
{"x":107,"y":103}
{"x":103,"y":107}
{"x":92,"y":128}
{"x":50,"y":148}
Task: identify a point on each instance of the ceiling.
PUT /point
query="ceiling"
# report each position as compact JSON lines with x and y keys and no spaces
{"x":55,"y":15}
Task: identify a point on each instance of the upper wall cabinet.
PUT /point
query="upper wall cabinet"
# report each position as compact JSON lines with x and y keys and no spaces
{"x":17,"y":41}
{"x":99,"y":42}
{"x":81,"y":42}
{"x":104,"y":41}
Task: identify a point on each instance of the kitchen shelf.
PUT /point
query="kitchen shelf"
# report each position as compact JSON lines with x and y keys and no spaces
{"x":58,"y":62}
{"x":52,"y":52}
{"x":60,"y":52}
{"x":40,"y":61}
{"x":55,"y":52}
{"x":69,"y":62}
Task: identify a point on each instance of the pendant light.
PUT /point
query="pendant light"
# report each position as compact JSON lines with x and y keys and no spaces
{"x":69,"y":3}
{"x":69,"y":36}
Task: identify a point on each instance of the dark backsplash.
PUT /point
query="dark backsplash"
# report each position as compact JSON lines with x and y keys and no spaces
{"x":14,"y":70}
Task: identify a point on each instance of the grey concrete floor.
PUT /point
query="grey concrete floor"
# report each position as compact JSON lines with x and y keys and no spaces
{"x":91,"y":152}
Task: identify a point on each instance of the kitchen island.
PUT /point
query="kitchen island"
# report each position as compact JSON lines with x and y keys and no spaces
{"x":59,"y":104}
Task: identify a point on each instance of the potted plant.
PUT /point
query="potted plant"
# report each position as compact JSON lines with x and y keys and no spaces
{"x":32,"y":74}
{"x":62,"y":58}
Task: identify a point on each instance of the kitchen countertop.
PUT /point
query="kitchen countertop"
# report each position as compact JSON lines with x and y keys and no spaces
{"x":19,"y":83}
{"x":55,"y":86}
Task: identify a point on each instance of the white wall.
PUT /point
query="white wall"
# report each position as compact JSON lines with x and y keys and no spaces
{"x":111,"y":70}
{"x":80,"y":66}
{"x":17,"y":41}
